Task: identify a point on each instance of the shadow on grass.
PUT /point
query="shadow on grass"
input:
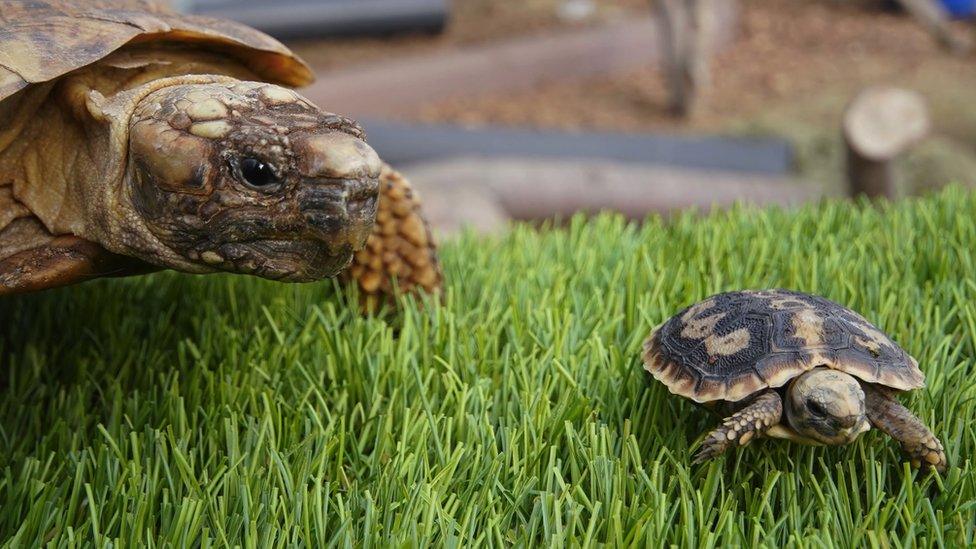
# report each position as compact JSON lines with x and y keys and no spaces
{"x":101,"y":319}
{"x":106,"y":341}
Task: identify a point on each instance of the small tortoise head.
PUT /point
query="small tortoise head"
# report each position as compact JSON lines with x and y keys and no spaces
{"x":250,"y":178}
{"x":826,"y":406}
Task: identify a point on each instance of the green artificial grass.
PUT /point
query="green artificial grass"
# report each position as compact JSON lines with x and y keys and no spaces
{"x":174,"y":410}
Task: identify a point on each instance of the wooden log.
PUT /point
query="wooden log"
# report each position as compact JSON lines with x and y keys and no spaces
{"x":880,"y":124}
{"x":686,"y":27}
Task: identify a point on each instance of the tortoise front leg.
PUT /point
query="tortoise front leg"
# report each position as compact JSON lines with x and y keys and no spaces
{"x":63,"y":260}
{"x":887,"y":414}
{"x":400,"y":253}
{"x":743,"y":426}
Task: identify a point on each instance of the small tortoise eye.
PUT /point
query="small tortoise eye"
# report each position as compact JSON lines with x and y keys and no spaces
{"x":258,"y":174}
{"x":816,"y":408}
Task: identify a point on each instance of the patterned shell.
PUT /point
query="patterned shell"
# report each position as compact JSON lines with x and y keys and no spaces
{"x":735,"y":344}
{"x":43,"y":40}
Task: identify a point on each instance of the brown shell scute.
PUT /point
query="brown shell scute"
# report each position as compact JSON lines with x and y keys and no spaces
{"x":43,"y":40}
{"x":732,"y":345}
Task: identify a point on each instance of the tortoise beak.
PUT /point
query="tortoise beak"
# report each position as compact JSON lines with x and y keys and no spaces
{"x":339,"y":189}
{"x":851,"y":433}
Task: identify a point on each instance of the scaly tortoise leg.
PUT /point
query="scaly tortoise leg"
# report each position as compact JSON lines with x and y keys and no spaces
{"x":743,"y":426}
{"x":917,"y":442}
{"x":61,"y":261}
{"x":400,"y":253}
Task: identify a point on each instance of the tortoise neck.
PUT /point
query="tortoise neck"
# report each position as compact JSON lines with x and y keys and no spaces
{"x":111,"y":218}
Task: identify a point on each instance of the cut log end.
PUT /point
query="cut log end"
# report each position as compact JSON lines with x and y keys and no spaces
{"x":883,"y":122}
{"x":880,"y":124}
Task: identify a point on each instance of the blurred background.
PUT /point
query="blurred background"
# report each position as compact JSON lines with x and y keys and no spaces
{"x":535,"y":109}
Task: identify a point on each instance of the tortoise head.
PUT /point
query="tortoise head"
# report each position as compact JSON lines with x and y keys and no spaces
{"x":826,"y":406}
{"x":249,"y":177}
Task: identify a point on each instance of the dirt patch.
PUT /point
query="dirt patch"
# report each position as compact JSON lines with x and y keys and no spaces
{"x":790,"y":73}
{"x":787,"y":49}
{"x":471,"y":22}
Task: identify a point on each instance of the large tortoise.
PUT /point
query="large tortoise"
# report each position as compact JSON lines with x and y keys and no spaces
{"x":133,"y":138}
{"x":789,"y":365}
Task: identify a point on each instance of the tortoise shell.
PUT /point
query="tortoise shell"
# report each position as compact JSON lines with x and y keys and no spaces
{"x":44,"y":40}
{"x":734,"y":344}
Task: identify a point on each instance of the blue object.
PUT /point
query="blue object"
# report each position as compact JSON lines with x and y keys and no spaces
{"x":309,"y":18}
{"x":960,"y":8}
{"x":401,"y":143}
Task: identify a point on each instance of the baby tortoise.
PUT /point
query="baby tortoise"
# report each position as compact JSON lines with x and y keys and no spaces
{"x":133,"y":138}
{"x":785,"y":364}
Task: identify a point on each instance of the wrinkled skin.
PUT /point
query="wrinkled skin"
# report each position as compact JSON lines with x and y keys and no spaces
{"x":251,"y":178}
{"x":821,"y":406}
{"x":824,"y":406}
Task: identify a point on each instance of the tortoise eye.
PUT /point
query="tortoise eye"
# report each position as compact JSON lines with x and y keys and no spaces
{"x":816,"y":408}
{"x":258,"y":174}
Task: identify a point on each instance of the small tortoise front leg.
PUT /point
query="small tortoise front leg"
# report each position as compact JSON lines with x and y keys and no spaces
{"x":743,"y":426}
{"x":400,"y":252}
{"x":917,"y":442}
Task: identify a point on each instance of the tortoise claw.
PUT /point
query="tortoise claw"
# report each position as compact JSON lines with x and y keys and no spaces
{"x":741,"y":428}
{"x":927,"y":454}
{"x":714,"y":445}
{"x":923,"y":449}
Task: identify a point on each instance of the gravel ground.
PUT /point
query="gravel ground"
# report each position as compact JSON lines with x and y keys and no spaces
{"x":791,"y":72}
{"x":787,"y":49}
{"x":472,"y":22}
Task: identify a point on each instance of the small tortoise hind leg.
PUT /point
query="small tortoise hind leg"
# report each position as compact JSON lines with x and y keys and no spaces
{"x":917,"y":442}
{"x":61,"y":261}
{"x":740,"y":428}
{"x":400,"y":253}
